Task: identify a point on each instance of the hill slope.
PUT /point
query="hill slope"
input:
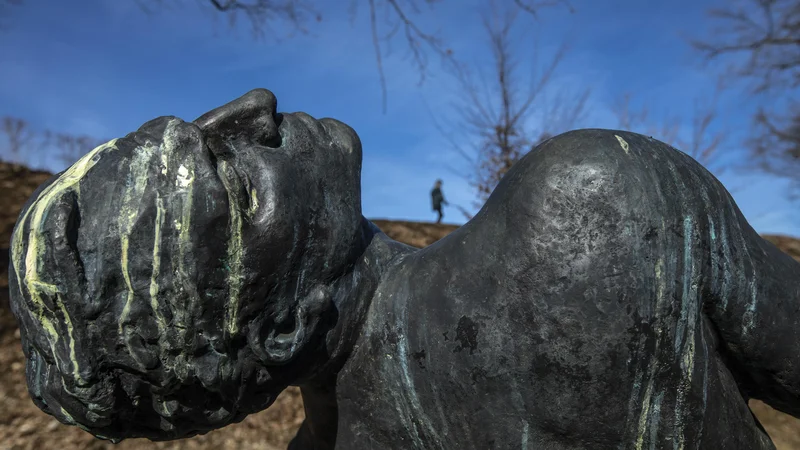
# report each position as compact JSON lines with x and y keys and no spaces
{"x":23,"y":426}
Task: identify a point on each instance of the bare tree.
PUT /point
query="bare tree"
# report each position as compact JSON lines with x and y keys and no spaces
{"x":261,"y":14}
{"x":21,"y":143}
{"x":776,"y":149}
{"x":698,"y":138}
{"x":388,"y":20}
{"x":766,"y":36}
{"x":68,"y":148}
{"x":399,"y":18}
{"x":494,"y":124}
{"x":18,"y":137}
{"x":759,"y":40}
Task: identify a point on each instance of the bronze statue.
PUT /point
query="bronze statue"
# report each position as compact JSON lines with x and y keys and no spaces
{"x":609,"y":295}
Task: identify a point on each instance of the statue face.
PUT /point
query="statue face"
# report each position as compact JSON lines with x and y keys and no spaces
{"x":167,"y":280}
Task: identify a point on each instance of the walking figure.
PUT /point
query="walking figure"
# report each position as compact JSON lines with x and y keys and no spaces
{"x":437,"y":198}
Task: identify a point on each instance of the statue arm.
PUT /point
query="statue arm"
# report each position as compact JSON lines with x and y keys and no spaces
{"x":754,"y":290}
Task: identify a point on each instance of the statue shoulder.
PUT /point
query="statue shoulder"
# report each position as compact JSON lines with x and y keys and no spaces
{"x":585,"y":169}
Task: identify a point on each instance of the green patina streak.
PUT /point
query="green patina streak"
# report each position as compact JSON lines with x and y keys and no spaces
{"x":253,"y":203}
{"x":184,"y":184}
{"x":129,"y":210}
{"x":73,"y":357}
{"x":184,"y":245}
{"x":184,"y":242}
{"x":69,"y":180}
{"x":154,"y":288}
{"x":623,"y":144}
{"x":687,"y":323}
{"x":235,"y":253}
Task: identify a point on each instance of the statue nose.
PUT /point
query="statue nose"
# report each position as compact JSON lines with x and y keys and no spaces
{"x":252,"y":117}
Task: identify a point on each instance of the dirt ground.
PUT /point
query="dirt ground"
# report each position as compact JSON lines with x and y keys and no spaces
{"x":25,"y":427}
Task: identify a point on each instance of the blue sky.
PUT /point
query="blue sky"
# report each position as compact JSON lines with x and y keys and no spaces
{"x":103,"y":67}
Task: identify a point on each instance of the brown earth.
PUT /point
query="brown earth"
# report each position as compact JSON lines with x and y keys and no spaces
{"x":25,"y":427}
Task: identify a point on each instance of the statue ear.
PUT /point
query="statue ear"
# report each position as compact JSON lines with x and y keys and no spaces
{"x":285,"y":341}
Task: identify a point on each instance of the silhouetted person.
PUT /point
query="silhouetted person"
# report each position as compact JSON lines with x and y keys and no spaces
{"x":437,"y":199}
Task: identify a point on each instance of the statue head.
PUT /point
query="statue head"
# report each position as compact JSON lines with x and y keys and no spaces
{"x":169,"y":281}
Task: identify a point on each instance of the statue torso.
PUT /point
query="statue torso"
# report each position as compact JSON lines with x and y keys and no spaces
{"x":556,"y":319}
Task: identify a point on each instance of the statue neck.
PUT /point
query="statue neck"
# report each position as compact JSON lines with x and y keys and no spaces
{"x":352,"y":299}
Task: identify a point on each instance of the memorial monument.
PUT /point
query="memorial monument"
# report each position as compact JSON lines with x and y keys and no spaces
{"x":609,"y":295}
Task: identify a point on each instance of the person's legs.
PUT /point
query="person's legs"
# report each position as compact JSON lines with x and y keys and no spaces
{"x":439,"y":211}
